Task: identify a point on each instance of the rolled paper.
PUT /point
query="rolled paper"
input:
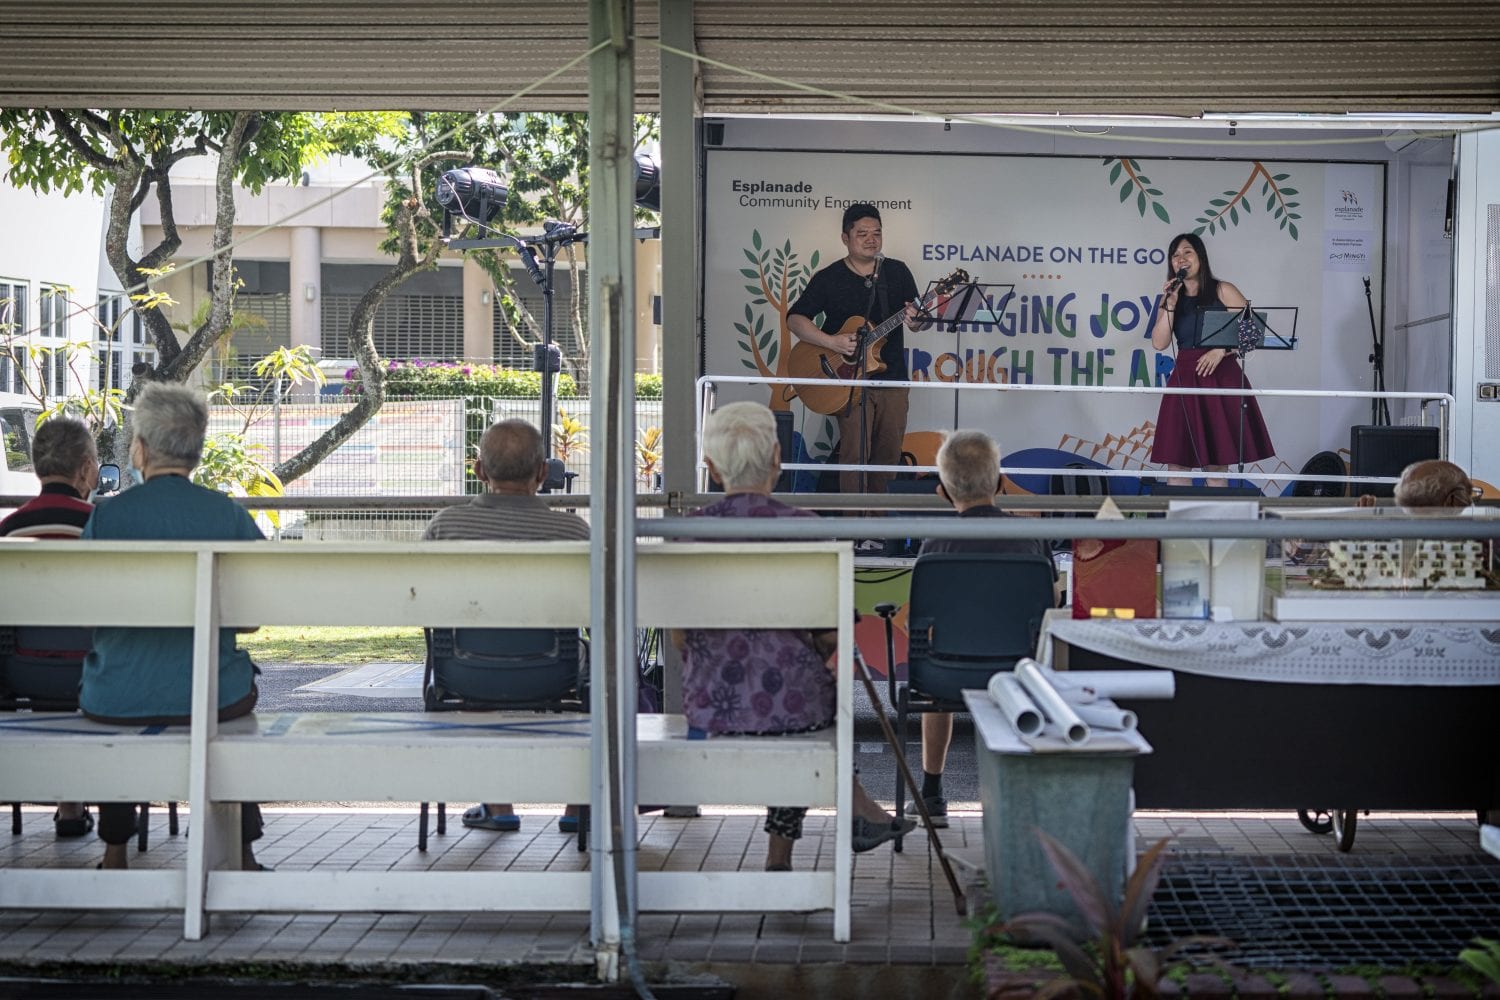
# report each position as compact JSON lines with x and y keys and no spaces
{"x":1075,"y":732}
{"x":1077,"y":685}
{"x":1022,"y":714}
{"x":1105,"y":716}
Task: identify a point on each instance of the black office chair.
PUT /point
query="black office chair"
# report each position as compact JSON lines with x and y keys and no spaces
{"x":41,"y":667}
{"x":971,"y":616}
{"x":511,"y":669}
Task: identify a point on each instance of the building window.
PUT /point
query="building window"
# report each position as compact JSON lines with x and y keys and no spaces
{"x":13,"y":302}
{"x":53,"y":331}
{"x":121,"y":343}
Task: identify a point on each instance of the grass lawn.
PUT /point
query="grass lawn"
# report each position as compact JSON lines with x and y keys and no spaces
{"x":341,"y":644}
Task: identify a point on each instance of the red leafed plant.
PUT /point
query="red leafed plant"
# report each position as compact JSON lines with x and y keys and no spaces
{"x":1111,"y":964}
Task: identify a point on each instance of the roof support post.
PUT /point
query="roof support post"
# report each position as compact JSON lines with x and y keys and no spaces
{"x":611,"y":276}
{"x":681,"y":289}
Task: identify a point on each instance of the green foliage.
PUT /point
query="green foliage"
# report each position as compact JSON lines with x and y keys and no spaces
{"x":647,"y":386}
{"x":1113,"y":966}
{"x":230,"y":465}
{"x":41,"y":157}
{"x":1483,"y":958}
{"x":455,"y":380}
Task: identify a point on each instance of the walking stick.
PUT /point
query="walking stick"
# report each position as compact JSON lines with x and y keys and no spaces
{"x":916,"y":793}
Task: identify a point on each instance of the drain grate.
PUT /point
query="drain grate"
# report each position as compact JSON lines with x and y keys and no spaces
{"x":1309,"y":911}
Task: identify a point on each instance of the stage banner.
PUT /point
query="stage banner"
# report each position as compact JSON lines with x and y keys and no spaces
{"x":1070,"y":253}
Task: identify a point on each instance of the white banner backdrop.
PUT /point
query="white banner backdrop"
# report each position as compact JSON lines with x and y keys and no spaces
{"x":1073,"y":251}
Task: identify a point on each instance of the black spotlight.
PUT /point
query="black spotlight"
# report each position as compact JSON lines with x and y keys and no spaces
{"x":647,"y":182}
{"x":475,"y":194}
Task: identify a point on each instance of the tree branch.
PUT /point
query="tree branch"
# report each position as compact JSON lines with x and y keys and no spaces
{"x":216,"y":326}
{"x":74,"y":138}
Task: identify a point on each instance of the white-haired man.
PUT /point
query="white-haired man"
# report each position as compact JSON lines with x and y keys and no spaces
{"x":969,"y":476}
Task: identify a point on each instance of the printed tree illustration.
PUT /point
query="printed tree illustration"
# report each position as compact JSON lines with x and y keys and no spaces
{"x":779,"y":277}
{"x":1138,"y":184}
{"x":1225,"y":211}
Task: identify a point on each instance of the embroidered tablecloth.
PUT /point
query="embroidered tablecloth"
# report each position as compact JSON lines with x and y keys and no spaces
{"x":1432,"y":654}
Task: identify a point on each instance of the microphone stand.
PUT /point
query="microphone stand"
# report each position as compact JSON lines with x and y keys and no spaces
{"x":1380,"y":410}
{"x":864,"y":393}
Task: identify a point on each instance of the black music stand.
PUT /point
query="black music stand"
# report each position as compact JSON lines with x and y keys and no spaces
{"x":976,"y":303}
{"x":1221,"y":329}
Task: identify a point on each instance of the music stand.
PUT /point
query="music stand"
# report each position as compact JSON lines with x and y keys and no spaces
{"x":976,"y":304}
{"x":1221,"y":329}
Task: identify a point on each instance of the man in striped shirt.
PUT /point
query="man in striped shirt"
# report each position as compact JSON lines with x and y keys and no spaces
{"x":67,"y":464}
{"x":512,"y":465}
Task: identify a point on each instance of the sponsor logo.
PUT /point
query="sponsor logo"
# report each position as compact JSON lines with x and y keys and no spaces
{"x":1349,"y":197}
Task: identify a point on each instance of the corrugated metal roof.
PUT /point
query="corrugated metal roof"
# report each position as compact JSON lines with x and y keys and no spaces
{"x":949,"y":56}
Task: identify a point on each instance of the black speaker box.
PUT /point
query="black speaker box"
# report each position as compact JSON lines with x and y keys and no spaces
{"x":1386,"y":451}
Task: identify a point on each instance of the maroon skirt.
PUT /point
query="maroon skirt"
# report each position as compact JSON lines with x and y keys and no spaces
{"x":1199,"y":431}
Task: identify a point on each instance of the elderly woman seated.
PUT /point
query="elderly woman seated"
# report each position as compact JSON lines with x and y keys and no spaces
{"x":764,"y":681}
{"x":144,"y":676}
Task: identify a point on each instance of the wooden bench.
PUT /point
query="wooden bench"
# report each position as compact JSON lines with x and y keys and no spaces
{"x":413,"y":756}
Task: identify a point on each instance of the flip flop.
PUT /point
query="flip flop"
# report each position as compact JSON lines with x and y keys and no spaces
{"x":479,"y":818}
{"x":79,"y":826}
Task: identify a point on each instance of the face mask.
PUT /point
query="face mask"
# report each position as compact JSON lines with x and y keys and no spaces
{"x":133,"y":475}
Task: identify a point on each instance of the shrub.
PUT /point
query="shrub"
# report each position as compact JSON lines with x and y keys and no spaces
{"x":454,"y":379}
{"x":647,"y":386}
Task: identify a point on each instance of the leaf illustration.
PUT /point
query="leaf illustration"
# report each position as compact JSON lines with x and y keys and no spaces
{"x":1161,"y":212}
{"x":1114,"y":174}
{"x":1288,"y":192}
{"x":771,"y":354}
{"x":1125,"y":191}
{"x":748,"y":363}
{"x":753,"y":259}
{"x":1140,"y":204}
{"x":1292,"y":228}
{"x":755,"y":239}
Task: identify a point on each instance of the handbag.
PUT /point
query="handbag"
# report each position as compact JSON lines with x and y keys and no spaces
{"x":1250,"y":332}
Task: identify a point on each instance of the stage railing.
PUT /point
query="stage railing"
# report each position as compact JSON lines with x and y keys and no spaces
{"x":707,"y":388}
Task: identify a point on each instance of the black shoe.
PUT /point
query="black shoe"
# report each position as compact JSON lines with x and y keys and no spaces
{"x":937,"y":811}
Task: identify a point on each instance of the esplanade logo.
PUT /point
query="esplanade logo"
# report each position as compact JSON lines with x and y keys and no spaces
{"x":740,"y":186}
{"x":1347,"y":209}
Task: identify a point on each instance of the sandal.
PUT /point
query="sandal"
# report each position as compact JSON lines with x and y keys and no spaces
{"x":480,"y":818}
{"x":867,"y":836}
{"x":79,"y":826}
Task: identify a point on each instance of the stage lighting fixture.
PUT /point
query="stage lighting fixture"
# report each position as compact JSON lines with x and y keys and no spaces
{"x":475,"y":194}
{"x":647,"y":182}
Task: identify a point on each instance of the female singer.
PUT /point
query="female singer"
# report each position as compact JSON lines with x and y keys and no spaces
{"x":1201,"y":432}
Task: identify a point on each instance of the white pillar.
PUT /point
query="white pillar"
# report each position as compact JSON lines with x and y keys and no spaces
{"x":479,"y":313}
{"x":305,"y":290}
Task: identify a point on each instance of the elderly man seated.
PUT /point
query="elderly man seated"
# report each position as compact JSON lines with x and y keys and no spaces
{"x":764,"y":681}
{"x":1434,"y":483}
{"x":969,"y":476}
{"x":144,"y":676}
{"x":67,"y":464}
{"x":512,"y":464}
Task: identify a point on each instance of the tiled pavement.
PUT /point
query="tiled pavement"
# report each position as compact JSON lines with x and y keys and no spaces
{"x":903,"y":913}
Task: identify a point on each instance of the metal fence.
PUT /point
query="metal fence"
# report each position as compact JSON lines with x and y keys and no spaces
{"x":410,"y":448}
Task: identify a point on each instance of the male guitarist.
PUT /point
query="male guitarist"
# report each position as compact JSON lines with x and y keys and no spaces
{"x":863,"y":283}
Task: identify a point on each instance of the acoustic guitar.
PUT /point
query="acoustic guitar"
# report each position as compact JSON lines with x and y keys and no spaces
{"x":808,"y":361}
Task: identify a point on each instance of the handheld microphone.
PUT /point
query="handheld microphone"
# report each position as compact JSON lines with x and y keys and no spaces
{"x":1178,"y":279}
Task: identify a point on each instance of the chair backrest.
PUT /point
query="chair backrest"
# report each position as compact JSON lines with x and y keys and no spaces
{"x":973,"y":614}
{"x":514,"y":668}
{"x":42,"y":665}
